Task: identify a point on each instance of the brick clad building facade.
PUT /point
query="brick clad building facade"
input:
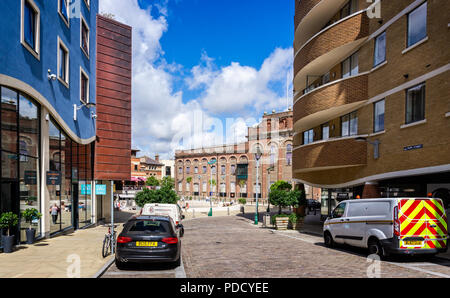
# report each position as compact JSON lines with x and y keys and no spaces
{"x":372,"y":98}
{"x":234,"y":172}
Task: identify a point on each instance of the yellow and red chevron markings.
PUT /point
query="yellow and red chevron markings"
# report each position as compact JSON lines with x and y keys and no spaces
{"x":425,"y":219}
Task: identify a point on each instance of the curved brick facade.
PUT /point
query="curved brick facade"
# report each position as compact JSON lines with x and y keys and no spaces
{"x":336,"y":153}
{"x":344,"y":92}
{"x":338,"y":35}
{"x":302,"y":8}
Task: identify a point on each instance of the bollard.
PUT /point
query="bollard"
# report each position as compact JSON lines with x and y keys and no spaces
{"x":228,"y":211}
{"x":193,"y":213}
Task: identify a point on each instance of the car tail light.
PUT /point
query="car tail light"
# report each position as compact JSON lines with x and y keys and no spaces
{"x":170,"y":240}
{"x":396,"y":222}
{"x":121,"y":239}
{"x":177,"y":222}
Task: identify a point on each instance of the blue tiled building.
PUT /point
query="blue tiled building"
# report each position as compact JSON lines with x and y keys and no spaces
{"x":48,"y":115}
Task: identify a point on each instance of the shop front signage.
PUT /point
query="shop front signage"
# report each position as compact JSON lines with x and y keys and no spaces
{"x":85,"y":189}
{"x":53,"y":178}
{"x":100,"y":189}
{"x":30,"y":177}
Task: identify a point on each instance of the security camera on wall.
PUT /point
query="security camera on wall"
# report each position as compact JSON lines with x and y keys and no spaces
{"x":51,"y":76}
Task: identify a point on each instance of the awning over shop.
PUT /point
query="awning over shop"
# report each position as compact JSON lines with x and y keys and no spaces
{"x":137,"y":179}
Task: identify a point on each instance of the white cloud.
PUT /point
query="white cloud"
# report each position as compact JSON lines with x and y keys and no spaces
{"x":238,"y":89}
{"x":161,"y":121}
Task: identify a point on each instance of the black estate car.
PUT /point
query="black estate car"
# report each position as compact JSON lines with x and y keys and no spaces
{"x":149,"y":238}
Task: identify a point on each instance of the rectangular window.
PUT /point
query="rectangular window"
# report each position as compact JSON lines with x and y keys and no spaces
{"x":325,"y":131}
{"x":350,"y":66}
{"x":415,"y":104}
{"x":380,"y":49}
{"x":349,"y":125}
{"x":378,"y":116}
{"x":308,"y":137}
{"x":233,"y":169}
{"x":30,"y":28}
{"x":204,"y":169}
{"x":84,"y":86}
{"x":63,"y":63}
{"x":349,"y":8}
{"x":196,"y":170}
{"x":222,"y":170}
{"x":188,"y":170}
{"x":63,"y":10}
{"x":417,"y":24}
{"x":84,"y":37}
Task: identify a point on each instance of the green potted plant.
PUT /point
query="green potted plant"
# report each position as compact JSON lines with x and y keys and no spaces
{"x":8,"y":220}
{"x":295,"y":221}
{"x":29,"y":215}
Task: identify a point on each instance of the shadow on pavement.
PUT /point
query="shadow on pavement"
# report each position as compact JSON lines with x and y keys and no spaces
{"x":148,"y":266}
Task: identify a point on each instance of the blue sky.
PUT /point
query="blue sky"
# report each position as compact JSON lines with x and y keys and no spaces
{"x":204,"y":59}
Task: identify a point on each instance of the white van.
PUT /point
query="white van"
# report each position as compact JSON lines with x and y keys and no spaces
{"x":172,"y":210}
{"x":389,"y":225}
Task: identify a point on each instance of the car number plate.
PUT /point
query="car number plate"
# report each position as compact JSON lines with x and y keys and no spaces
{"x":146,"y":244}
{"x":413,"y":243}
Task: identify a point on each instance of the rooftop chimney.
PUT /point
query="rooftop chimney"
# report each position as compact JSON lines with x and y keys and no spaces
{"x":157,"y":157}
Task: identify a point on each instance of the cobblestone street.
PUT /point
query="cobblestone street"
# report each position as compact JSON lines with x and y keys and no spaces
{"x":231,"y":247}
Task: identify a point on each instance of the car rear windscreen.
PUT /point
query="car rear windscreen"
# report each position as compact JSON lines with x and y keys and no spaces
{"x":150,"y":226}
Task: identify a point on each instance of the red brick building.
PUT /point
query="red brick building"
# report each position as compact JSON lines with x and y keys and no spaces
{"x":234,"y":172}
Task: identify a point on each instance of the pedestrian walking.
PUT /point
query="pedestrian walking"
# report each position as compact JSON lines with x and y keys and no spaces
{"x":54,"y":210}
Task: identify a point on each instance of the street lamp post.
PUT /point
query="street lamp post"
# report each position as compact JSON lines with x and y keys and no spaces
{"x":268,"y":187}
{"x":211,"y":163}
{"x":257,"y":157}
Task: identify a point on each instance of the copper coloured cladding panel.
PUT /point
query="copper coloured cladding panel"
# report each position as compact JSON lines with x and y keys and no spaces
{"x":114,"y":65}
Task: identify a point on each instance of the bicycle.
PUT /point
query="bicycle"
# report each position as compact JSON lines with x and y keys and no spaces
{"x":109,"y":239}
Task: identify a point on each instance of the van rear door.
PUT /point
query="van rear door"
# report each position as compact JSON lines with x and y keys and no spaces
{"x":422,"y":224}
{"x":436,"y":224}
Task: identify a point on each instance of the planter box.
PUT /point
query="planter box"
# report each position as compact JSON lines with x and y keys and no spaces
{"x":282,"y":223}
{"x":298,"y":225}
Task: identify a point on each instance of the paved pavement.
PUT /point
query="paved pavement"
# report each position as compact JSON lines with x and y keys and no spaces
{"x":232,"y":247}
{"x":58,"y":257}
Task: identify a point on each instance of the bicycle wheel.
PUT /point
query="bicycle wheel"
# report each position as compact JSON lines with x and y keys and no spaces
{"x":106,"y":247}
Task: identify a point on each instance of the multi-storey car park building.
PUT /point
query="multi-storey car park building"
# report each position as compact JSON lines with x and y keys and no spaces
{"x":372,"y":98}
{"x":48,"y":83}
{"x":234,"y":169}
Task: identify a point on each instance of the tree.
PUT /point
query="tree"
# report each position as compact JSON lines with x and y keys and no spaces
{"x":168,"y":182}
{"x":8,"y":220}
{"x":241,"y":186}
{"x":281,"y":185}
{"x":189,"y":179}
{"x":152,"y":181}
{"x":164,"y":195}
{"x":282,"y":196}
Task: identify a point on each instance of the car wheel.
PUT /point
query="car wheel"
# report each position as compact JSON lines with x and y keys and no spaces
{"x":375,"y":248}
{"x":328,"y":240}
{"x":177,"y":263}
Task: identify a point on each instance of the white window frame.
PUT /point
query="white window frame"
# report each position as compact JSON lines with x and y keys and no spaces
{"x":88,"y":4}
{"x":36,"y":51}
{"x":67,"y":62}
{"x":82,"y":20}
{"x":67,"y":22}
{"x":82,"y":72}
